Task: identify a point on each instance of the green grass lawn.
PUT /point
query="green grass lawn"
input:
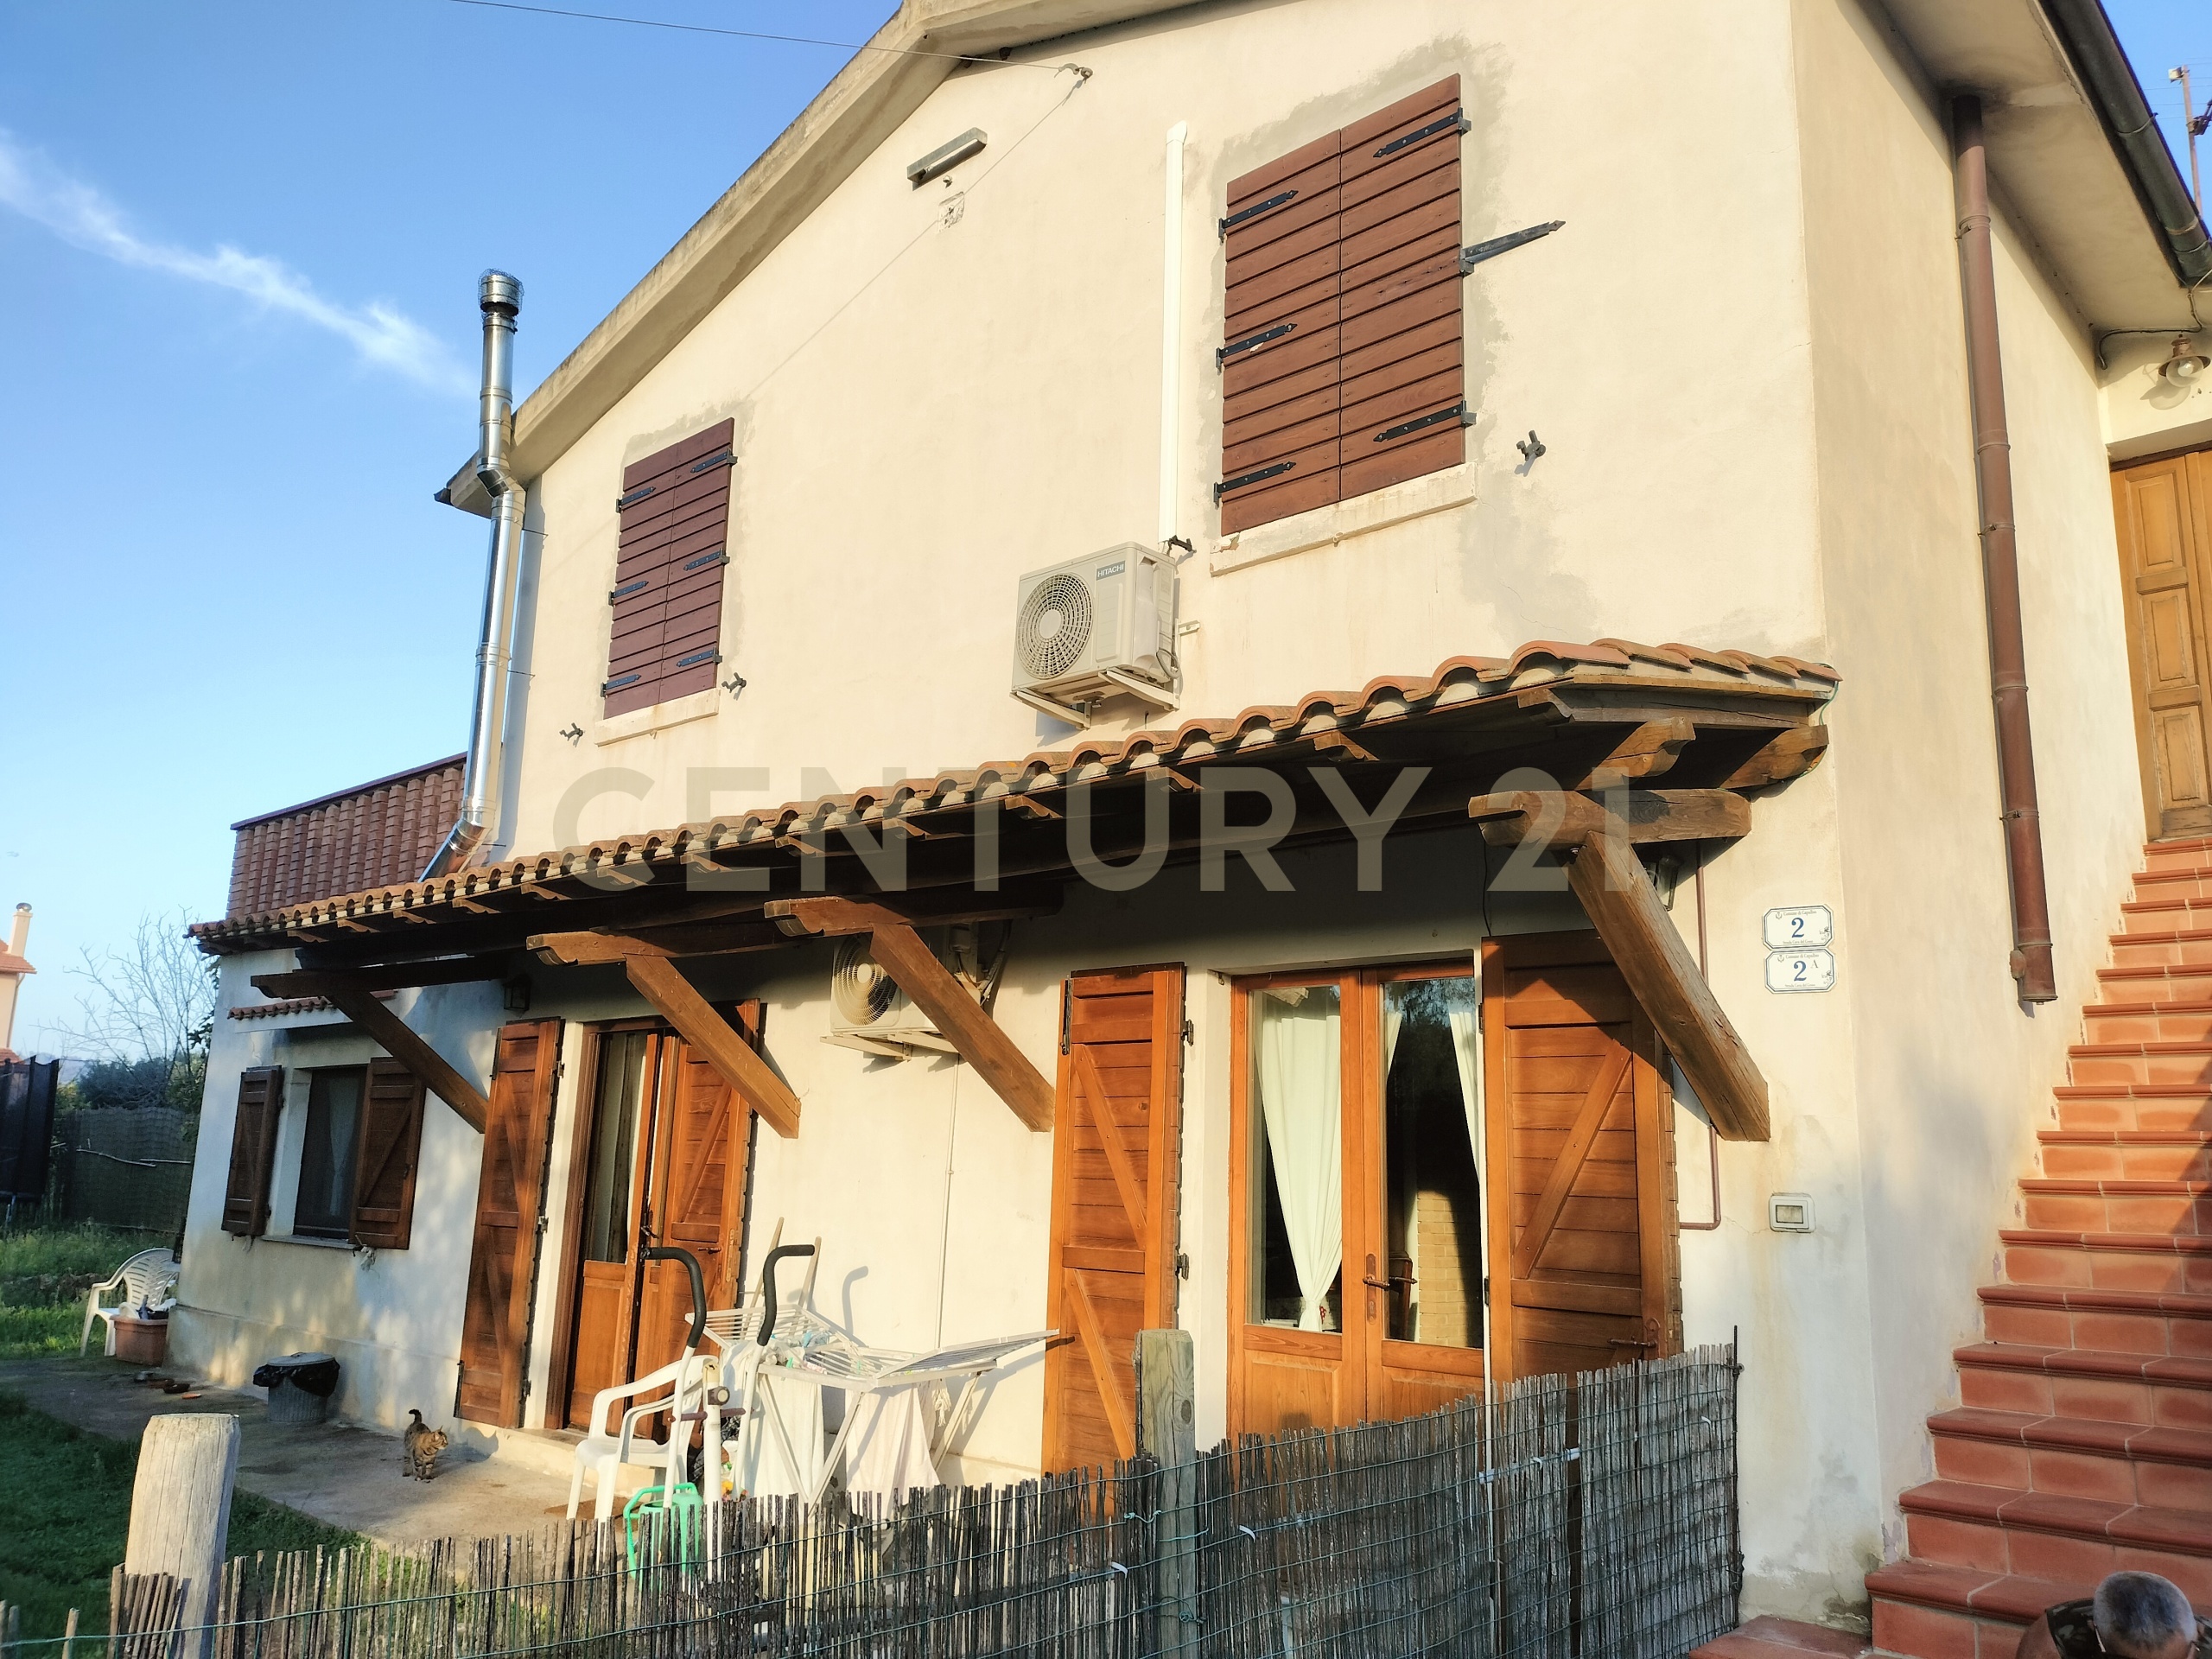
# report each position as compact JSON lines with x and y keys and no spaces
{"x":44,"y":1273}
{"x":64,"y":1510}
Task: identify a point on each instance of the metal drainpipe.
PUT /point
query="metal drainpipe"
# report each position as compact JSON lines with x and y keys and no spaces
{"x":2000,"y":567}
{"x":500,"y":296}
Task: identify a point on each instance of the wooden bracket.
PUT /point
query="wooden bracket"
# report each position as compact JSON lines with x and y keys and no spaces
{"x":441,"y":970}
{"x":358,"y":1003}
{"x":930,"y":987}
{"x":1341,"y":743}
{"x":828,"y":917}
{"x":682,"y":940}
{"x":1609,"y":880}
{"x":1565,"y":819}
{"x":1788,"y":754}
{"x":1650,"y":749}
{"x":1032,"y":806}
{"x":677,"y":1000}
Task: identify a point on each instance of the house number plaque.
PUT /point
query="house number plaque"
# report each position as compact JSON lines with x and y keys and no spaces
{"x":1797,"y":954}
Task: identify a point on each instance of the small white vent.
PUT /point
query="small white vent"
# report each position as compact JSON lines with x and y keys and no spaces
{"x":1054,"y":629}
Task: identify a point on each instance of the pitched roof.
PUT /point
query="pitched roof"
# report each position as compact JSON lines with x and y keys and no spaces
{"x":1380,"y":705}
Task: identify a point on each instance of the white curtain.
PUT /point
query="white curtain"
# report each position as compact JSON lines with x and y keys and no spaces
{"x":1466,"y":1048}
{"x":1298,"y":1101}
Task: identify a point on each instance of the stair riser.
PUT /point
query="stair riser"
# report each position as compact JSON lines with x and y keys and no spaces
{"x":2099,"y":1329}
{"x":2135,"y":1026}
{"x":2159,"y":953}
{"x":2162,"y":856}
{"x":1926,"y":1633}
{"x":2156,"y":1270}
{"x":2107,"y":1399}
{"x":2119,"y":1112}
{"x":2163,"y":914}
{"x":2192,"y":1069}
{"x":2134,"y":1212}
{"x":1995,"y":1548}
{"x":2178,"y":984}
{"x":2183,"y":882}
{"x":2113,"y":1477}
{"x":2063,"y":1161}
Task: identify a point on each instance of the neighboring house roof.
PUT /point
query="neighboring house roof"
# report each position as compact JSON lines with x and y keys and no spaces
{"x":288,"y":1005}
{"x":1612,"y":667}
{"x":2066,"y":159}
{"x":12,"y":963}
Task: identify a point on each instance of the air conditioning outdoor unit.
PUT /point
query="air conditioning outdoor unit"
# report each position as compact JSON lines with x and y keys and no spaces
{"x":871,"y":1013}
{"x":1093,"y":628}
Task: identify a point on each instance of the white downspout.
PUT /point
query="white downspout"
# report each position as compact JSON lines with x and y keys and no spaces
{"x":500,"y":297}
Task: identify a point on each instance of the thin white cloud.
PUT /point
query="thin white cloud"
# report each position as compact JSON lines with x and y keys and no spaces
{"x":80,"y":215}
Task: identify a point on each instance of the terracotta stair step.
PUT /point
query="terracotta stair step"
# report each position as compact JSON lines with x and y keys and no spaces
{"x":2075,"y":1457}
{"x":2144,"y":1154}
{"x":2180,"y":849}
{"x":2157,"y":980}
{"x":1768,"y":1638}
{"x":2093,"y":1203}
{"x":2181,"y":880}
{"x":2049,"y":1536}
{"x":1936,"y":1612}
{"x":2148,"y":1020}
{"x":2102,"y":1260}
{"x":2175,"y":947}
{"x":2166,"y":1110}
{"x":2149,"y":1323}
{"x":2141,"y":1062}
{"x":2169,"y":1390}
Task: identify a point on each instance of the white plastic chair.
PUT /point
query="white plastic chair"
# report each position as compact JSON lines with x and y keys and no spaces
{"x":148,"y":1279}
{"x":679,"y":1388}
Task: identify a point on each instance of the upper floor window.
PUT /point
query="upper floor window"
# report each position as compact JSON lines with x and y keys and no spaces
{"x":667,"y":598}
{"x":1341,"y":355}
{"x":328,"y":1151}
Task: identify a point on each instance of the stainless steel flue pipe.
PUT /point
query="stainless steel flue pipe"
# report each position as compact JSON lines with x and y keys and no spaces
{"x":500,"y":296}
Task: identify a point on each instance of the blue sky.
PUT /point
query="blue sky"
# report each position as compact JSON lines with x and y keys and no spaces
{"x":238,"y":247}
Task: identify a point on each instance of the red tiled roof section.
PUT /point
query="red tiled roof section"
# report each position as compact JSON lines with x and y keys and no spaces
{"x":376,"y":835}
{"x":1384,"y":700}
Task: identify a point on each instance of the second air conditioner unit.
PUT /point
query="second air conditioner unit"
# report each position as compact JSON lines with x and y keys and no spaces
{"x":871,"y":1013}
{"x":1093,"y":628}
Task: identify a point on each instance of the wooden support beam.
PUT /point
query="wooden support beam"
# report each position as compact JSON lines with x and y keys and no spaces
{"x":1649,"y":750}
{"x":741,"y":1067}
{"x":397,"y":1040}
{"x":684,"y":939}
{"x":1609,"y":878}
{"x":1341,"y":743}
{"x":1566,"y":819}
{"x":930,"y":987}
{"x":438,"y":970}
{"x":1788,"y":754}
{"x":831,"y":915}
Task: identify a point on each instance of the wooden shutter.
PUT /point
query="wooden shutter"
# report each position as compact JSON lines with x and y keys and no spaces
{"x":495,"y":1323}
{"x":388,"y":1140}
{"x":1114,"y":1158}
{"x":253,"y":1151}
{"x":2164,"y":513}
{"x":703,"y":1133}
{"x":1343,"y":367}
{"x":667,"y":596}
{"x":1583,"y":1231}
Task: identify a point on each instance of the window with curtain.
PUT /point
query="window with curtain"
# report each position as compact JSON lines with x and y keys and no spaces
{"x":325,"y":1206}
{"x":1296,"y":1061}
{"x":1432,"y":1189}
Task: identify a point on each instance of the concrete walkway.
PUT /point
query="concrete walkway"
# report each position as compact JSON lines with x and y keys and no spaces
{"x":343,"y":1475}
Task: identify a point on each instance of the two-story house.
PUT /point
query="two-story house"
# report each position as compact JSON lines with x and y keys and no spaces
{"x":1443,"y":690}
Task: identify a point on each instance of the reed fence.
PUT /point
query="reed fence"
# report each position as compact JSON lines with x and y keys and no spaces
{"x":1583,"y":1517}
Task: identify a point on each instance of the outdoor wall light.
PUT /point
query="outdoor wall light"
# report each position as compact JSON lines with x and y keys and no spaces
{"x":2186,"y":364}
{"x":946,"y":157}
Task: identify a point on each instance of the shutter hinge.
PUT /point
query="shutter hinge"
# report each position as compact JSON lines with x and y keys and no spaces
{"x":1455,"y":122}
{"x":726,"y":457}
{"x":616,"y":595}
{"x":1182,"y":1264}
{"x":1229,"y":484}
{"x":1190,"y":1033}
{"x":617,"y":683}
{"x":1253,"y":342}
{"x":1470,"y":257}
{"x":1458,"y":412}
{"x":1258,"y":207}
{"x":718,"y":556}
{"x":697,"y":658}
{"x":634,"y":497}
{"x":526,"y":1387}
{"x":541,"y":1226}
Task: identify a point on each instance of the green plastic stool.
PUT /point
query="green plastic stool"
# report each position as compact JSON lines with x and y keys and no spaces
{"x":680,"y":1502}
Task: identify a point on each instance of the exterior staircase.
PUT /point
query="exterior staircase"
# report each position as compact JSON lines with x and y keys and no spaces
{"x":2082,"y":1442}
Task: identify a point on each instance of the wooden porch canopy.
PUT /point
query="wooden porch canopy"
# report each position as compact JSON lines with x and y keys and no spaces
{"x":1001,"y":840}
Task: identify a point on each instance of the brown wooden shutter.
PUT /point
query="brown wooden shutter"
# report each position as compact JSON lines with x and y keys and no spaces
{"x":253,"y":1151}
{"x":1116,"y":1155}
{"x":1343,"y":367}
{"x":501,"y":1260}
{"x":390,"y":1142}
{"x":1581,"y":1162}
{"x":667,"y":596}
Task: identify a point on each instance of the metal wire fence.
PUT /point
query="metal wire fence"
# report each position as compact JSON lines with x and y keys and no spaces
{"x":1588,"y":1517}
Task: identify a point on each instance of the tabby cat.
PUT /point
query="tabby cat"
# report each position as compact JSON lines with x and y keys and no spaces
{"x":421,"y":1445}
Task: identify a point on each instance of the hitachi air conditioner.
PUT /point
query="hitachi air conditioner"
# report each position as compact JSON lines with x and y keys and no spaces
{"x":871,"y":1013}
{"x":1097,"y":628}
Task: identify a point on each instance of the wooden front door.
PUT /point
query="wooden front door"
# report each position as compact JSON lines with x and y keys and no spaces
{"x":2162,"y":512}
{"x":1114,"y":1158}
{"x":662,"y":1153}
{"x":503,"y":1255}
{"x":1357,"y":1241}
{"x":1583,"y":1243}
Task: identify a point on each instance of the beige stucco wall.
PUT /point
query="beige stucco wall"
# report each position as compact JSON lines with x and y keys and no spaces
{"x":1743,"y":355}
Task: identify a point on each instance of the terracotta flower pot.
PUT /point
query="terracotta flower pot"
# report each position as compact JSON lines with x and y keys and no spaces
{"x":142,"y":1342}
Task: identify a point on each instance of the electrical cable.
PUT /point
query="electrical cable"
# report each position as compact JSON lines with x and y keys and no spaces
{"x":755,"y":34}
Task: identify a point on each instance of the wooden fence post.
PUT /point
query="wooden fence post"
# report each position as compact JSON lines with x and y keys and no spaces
{"x":180,"y":1510}
{"x":1167,"y":1431}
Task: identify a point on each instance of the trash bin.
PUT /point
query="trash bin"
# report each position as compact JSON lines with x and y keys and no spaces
{"x":299,"y":1386}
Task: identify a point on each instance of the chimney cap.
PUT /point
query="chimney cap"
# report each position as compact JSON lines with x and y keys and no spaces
{"x":497,"y":291}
